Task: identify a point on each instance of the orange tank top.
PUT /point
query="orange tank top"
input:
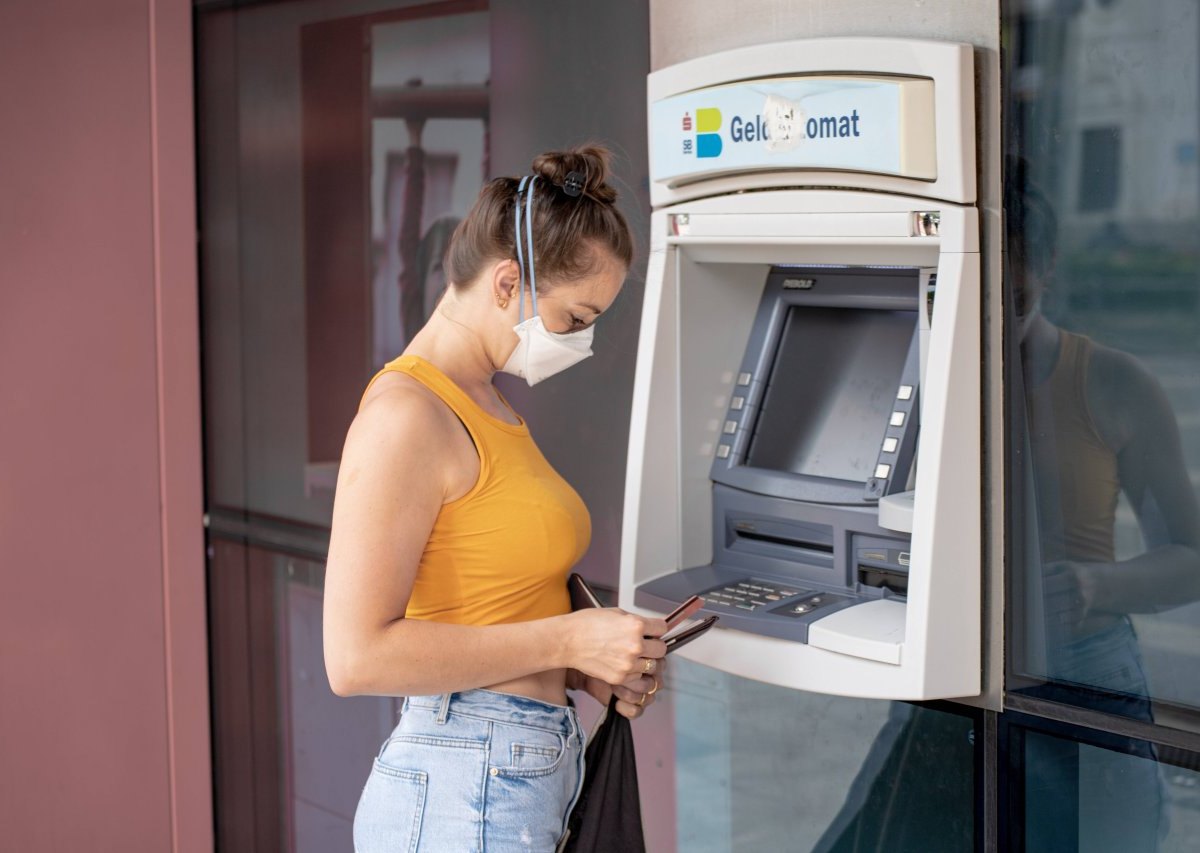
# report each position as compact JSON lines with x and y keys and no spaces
{"x":1075,"y":472}
{"x":501,"y":552}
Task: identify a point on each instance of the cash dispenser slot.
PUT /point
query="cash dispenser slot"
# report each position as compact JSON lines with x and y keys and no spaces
{"x":888,"y":579}
{"x":881,"y":563}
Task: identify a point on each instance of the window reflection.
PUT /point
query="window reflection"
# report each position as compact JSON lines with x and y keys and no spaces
{"x":1101,"y":207}
{"x":1070,"y":789}
{"x":760,"y":767}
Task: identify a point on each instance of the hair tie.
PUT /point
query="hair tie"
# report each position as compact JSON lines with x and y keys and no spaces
{"x":573,"y":184}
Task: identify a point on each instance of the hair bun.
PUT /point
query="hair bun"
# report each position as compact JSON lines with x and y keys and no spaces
{"x":591,"y":161}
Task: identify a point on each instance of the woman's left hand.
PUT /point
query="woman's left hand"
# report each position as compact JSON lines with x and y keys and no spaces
{"x":633,"y":697}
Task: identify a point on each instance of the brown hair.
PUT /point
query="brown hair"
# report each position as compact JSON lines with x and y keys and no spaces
{"x":567,"y":230}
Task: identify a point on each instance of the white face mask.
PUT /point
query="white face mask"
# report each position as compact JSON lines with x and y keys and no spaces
{"x":540,"y":353}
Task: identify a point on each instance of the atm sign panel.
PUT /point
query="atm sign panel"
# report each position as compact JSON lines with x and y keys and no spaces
{"x":868,"y":124}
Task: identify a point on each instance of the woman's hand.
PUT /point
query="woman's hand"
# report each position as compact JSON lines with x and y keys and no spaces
{"x":615,"y":647}
{"x":1069,"y":593}
{"x":632,"y":700}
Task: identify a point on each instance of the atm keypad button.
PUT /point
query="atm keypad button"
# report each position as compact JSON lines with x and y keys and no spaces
{"x":744,"y":606}
{"x":897,"y":419}
{"x":906,"y":392}
{"x":771,"y":597}
{"x":743,"y":378}
{"x":890,"y":445}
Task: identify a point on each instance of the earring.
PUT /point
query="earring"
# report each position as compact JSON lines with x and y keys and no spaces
{"x":503,"y":303}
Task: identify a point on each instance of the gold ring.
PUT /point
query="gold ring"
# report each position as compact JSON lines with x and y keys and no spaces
{"x":653,"y":690}
{"x":642,"y":701}
{"x":648,"y":666}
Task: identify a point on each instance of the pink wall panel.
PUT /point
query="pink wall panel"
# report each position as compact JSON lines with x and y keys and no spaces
{"x":103,"y":698}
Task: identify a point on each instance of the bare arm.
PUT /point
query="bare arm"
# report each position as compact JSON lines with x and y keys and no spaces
{"x":1136,"y":419}
{"x":391,"y":486}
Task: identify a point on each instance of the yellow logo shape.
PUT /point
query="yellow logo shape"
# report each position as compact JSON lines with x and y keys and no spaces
{"x":708,"y":120}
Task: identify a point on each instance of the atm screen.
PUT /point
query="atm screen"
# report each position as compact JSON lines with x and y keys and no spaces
{"x":831,"y":391}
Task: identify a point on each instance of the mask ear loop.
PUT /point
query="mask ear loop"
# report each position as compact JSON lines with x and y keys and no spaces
{"x":529,"y":237}
{"x":520,"y":255}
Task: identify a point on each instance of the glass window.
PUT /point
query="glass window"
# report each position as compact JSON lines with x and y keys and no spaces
{"x":339,"y":142}
{"x":1102,"y":274}
{"x":764,"y":768}
{"x":1099,"y":168}
{"x":1100,"y":793}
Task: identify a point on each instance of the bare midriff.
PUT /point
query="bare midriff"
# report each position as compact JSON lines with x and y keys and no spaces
{"x":549,"y":686}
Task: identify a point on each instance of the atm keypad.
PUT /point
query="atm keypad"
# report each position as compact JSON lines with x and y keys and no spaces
{"x":750,"y":595}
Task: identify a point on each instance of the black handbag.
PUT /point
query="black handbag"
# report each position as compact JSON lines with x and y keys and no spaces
{"x":607,"y":817}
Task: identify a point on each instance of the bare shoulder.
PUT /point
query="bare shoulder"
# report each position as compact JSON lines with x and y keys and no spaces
{"x":400,"y":417}
{"x":1123,"y":376}
{"x":1124,"y":396}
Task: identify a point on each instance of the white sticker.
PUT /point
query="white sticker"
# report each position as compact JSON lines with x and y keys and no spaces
{"x":783,"y":119}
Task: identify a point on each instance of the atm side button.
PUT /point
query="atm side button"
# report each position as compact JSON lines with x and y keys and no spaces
{"x":743,"y":378}
{"x":723,"y":451}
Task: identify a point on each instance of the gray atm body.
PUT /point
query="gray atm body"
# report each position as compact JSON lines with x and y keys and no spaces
{"x":822,"y":422}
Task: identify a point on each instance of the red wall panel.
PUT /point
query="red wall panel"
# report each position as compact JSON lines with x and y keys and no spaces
{"x":103,"y":694}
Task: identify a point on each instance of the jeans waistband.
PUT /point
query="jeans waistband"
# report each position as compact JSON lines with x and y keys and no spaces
{"x":500,"y":707}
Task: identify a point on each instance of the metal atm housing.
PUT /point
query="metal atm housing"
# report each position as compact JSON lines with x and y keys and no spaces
{"x":805,"y":444}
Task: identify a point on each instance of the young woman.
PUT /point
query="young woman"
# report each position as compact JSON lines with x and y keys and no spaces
{"x":453,"y":537}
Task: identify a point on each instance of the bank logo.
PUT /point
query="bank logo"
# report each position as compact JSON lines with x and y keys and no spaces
{"x":708,"y":140}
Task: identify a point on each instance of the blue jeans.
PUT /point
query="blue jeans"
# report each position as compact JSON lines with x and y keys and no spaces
{"x":472,"y":771}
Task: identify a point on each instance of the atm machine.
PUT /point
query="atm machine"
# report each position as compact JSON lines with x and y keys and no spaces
{"x":805,"y":444}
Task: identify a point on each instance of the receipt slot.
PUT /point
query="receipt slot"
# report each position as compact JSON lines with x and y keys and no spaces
{"x":805,"y":443}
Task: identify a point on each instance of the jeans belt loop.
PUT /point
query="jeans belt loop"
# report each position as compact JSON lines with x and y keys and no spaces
{"x":444,"y":709}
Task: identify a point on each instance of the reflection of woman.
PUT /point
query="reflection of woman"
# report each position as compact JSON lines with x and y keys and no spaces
{"x":1099,"y":426}
{"x":452,"y":536}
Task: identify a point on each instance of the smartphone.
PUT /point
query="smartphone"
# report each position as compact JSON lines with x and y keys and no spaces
{"x":582,"y":595}
{"x":684,"y":610}
{"x":682,"y":638}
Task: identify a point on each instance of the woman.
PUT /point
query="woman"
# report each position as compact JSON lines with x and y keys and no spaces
{"x":452,"y":536}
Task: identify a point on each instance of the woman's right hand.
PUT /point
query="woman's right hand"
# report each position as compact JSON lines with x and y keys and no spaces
{"x":612,"y":645}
